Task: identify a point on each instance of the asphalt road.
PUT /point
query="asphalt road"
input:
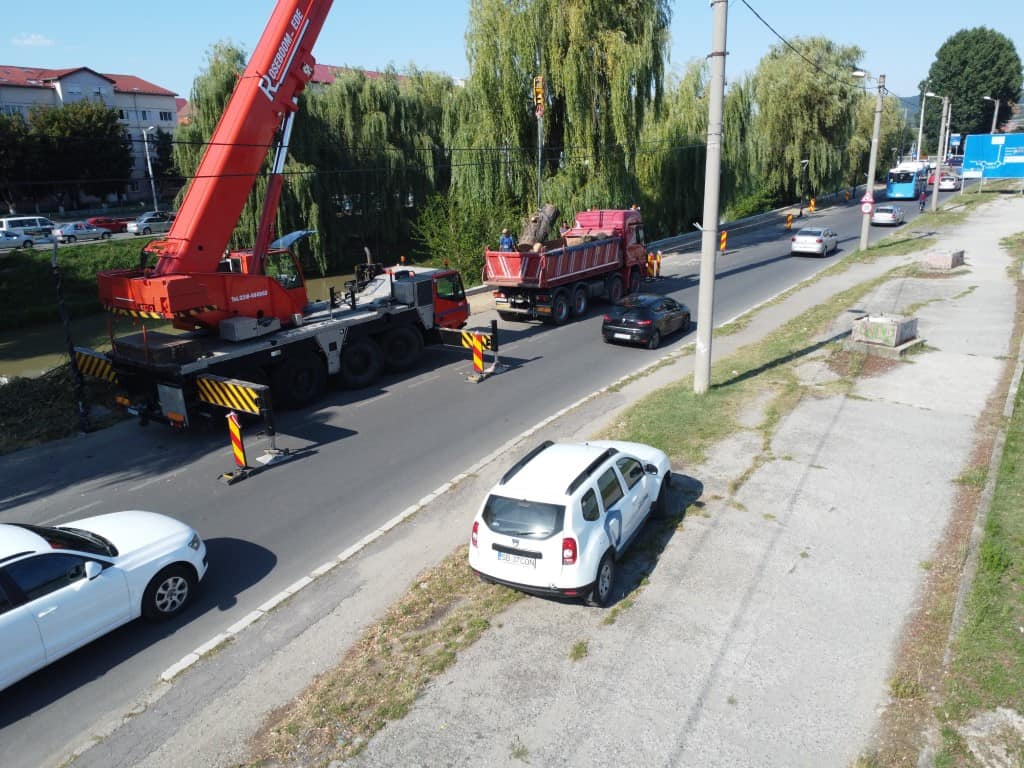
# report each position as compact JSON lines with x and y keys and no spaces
{"x":365,"y":456}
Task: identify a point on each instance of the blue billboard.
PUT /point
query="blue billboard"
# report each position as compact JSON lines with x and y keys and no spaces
{"x":994,"y":156}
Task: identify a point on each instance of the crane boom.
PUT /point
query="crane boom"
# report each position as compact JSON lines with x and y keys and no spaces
{"x":195,"y":281}
{"x":280,"y":68}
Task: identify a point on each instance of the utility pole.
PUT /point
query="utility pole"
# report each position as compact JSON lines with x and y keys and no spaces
{"x":938,"y":165}
{"x":712,"y":183}
{"x":920,"y":124}
{"x":865,"y":223}
{"x":995,"y":112}
{"x":149,"y":165}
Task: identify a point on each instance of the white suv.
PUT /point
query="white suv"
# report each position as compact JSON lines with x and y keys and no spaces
{"x":560,"y":517}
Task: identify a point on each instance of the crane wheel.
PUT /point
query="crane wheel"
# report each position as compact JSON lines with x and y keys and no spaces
{"x":299,"y":379}
{"x":361,"y":362}
{"x":402,"y":348}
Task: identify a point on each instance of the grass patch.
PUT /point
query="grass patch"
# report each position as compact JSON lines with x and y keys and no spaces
{"x":445,"y":611}
{"x":579,"y":650}
{"x":988,"y":653}
{"x":518,"y":750}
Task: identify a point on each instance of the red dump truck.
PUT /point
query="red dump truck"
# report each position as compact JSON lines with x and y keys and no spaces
{"x":601,"y":256}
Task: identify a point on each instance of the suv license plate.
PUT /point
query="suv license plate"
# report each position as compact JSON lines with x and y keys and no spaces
{"x":529,"y":562}
{"x":625,"y":336}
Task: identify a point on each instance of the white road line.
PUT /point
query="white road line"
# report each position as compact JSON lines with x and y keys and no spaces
{"x":149,"y":482}
{"x":372,"y":400}
{"x":420,"y":381}
{"x":70,"y":513}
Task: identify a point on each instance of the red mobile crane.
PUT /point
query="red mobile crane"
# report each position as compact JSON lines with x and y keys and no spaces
{"x":247,"y":312}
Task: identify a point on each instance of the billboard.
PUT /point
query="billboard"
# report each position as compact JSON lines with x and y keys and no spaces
{"x":994,"y":156}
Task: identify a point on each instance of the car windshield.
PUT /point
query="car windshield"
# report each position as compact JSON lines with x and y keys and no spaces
{"x":73,"y":538}
{"x":521,"y":517}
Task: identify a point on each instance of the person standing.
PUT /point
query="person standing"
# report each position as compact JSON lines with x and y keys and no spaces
{"x":506,"y":242}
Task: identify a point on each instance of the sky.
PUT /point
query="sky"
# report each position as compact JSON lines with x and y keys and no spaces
{"x":167,"y":44}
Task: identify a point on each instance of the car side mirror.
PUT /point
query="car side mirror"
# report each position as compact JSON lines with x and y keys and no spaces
{"x":650,"y":469}
{"x":92,"y":569}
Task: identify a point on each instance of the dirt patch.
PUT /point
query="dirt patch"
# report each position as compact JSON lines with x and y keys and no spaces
{"x":848,"y":364}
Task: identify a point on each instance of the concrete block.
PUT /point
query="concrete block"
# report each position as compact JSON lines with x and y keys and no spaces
{"x":884,"y":330}
{"x":943,"y":258}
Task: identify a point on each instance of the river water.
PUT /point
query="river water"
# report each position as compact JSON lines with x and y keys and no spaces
{"x":34,"y":351}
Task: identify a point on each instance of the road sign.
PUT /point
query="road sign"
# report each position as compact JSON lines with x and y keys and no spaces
{"x":868,"y":197}
{"x":954,"y":139}
{"x":866,"y":207}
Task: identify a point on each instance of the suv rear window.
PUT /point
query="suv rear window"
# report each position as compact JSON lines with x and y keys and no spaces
{"x":521,"y":517}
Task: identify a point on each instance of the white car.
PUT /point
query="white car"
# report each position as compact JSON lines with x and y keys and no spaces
{"x":20,"y":239}
{"x":148,"y":223}
{"x":949,"y":183}
{"x":817,"y":240}
{"x":79,"y":230}
{"x":62,"y":587}
{"x":887,"y":214}
{"x":558,"y":520}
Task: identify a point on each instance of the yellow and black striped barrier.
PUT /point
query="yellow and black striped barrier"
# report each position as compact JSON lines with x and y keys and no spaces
{"x":477,"y":341}
{"x":94,"y":364}
{"x":232,"y":394}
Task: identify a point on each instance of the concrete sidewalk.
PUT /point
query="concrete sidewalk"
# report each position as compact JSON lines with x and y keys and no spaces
{"x":766,"y":632}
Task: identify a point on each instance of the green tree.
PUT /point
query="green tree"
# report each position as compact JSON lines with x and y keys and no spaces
{"x":82,"y":148}
{"x":805,"y":112}
{"x":17,"y":159}
{"x":969,"y":65}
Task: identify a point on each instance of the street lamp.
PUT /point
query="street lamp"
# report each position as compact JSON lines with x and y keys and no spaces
{"x":920,"y":125}
{"x":995,"y":112}
{"x":865,"y":224}
{"x":149,"y":165}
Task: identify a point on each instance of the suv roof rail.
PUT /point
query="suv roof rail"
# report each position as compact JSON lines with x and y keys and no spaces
{"x":591,"y":467}
{"x":524,"y":461}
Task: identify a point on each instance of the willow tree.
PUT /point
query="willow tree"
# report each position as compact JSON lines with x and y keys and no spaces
{"x":805,"y":111}
{"x":603,"y":65}
{"x":671,"y":156}
{"x":376,"y":146}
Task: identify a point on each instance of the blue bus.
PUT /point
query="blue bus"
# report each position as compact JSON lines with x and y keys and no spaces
{"x":906,"y":182}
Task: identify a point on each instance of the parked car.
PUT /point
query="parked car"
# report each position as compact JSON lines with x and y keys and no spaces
{"x":645,"y":318}
{"x":36,"y":227}
{"x":148,"y":223}
{"x":816,"y":240}
{"x":887,"y":214}
{"x":560,"y":518}
{"x":62,"y":587}
{"x":112,"y":224}
{"x":79,"y":230}
{"x":13,"y":240}
{"x":949,"y":183}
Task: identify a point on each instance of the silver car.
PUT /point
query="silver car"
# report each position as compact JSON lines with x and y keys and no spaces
{"x":79,"y":230}
{"x":948,"y":183}
{"x":820,"y":241}
{"x":148,"y":223}
{"x":887,"y":214}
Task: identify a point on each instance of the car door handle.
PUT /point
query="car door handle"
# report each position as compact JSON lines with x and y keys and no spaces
{"x":47,"y":612}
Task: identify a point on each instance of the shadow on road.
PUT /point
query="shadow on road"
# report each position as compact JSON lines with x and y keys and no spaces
{"x":235,"y":566}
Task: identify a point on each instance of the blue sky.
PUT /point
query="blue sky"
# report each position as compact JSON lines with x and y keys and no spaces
{"x":167,"y":43}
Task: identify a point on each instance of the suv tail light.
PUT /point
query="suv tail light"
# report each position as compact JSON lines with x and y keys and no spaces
{"x":643,"y":323}
{"x":568,"y":551}
{"x":476,"y":531}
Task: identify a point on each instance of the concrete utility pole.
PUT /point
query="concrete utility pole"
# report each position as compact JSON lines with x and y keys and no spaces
{"x":149,"y":165}
{"x":938,"y":165}
{"x":920,"y":124}
{"x":995,"y":112}
{"x":865,"y":223}
{"x":712,"y":181}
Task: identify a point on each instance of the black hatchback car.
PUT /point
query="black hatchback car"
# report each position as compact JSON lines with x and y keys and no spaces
{"x":645,"y":318}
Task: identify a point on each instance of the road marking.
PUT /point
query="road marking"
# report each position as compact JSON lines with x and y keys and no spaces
{"x":149,"y":482}
{"x":421,"y":380}
{"x":70,"y":513}
{"x":370,"y":401}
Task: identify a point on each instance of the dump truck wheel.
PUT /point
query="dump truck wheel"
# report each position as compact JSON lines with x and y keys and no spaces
{"x":560,"y":308}
{"x":580,"y":301}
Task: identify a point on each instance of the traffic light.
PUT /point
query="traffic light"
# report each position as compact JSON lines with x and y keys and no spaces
{"x":538,"y":90}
